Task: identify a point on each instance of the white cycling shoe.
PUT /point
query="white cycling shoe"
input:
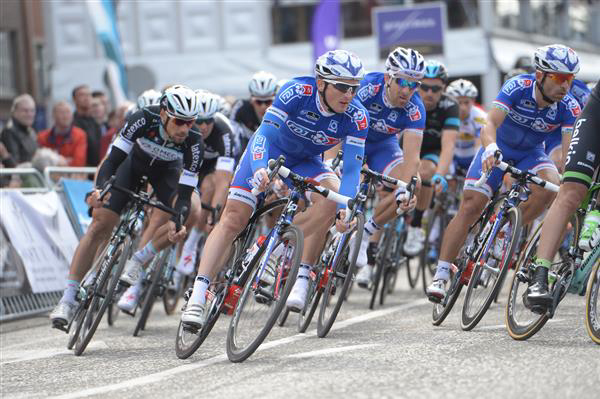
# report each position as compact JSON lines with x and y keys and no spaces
{"x":129,"y":300}
{"x":437,"y":290}
{"x":415,"y":240}
{"x":297,"y":298}
{"x":363,"y":277}
{"x":63,"y":313}
{"x":193,"y":315}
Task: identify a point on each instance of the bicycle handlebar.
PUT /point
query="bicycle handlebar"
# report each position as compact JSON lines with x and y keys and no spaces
{"x":505,"y":167}
{"x":271,"y":171}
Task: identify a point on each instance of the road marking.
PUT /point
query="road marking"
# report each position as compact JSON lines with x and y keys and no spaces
{"x":503,"y":326}
{"x":330,"y":351}
{"x":159,"y":376}
{"x":34,"y":354}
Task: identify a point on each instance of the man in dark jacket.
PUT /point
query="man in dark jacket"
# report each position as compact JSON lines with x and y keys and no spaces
{"x":82,"y":97}
{"x":18,"y":136}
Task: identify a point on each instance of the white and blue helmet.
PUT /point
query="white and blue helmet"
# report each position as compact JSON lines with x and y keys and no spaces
{"x":405,"y":62}
{"x":556,"y":58}
{"x":339,"y":64}
{"x":180,"y":102}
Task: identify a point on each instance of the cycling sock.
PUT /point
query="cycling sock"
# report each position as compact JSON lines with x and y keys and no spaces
{"x":304,"y":271}
{"x":192,"y":241}
{"x":70,"y":292}
{"x":371,"y":227}
{"x":145,"y":254}
{"x":138,"y":284}
{"x":543,"y":263}
{"x":417,"y":216}
{"x":443,"y":271}
{"x":199,"y":293}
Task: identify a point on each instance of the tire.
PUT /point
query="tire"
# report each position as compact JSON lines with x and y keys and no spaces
{"x":170,"y":298}
{"x":106,"y":284}
{"x":238,"y":351}
{"x":592,"y":315}
{"x":480,"y":295}
{"x":153,"y":291}
{"x":337,"y":285}
{"x":382,"y":259}
{"x":283,"y":317}
{"x":442,"y":310}
{"x":521,"y":322}
{"x":76,"y":325}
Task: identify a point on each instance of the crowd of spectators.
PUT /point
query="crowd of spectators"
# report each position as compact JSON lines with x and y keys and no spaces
{"x":79,"y":134}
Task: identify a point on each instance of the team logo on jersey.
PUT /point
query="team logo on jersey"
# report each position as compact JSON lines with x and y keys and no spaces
{"x":320,"y":138}
{"x":360,"y":118}
{"x":369,"y":90}
{"x":526,"y":82}
{"x":574,"y":108}
{"x":552,"y":112}
{"x":310,"y":115}
{"x":393,"y":116}
{"x":375,"y":107}
{"x":528,"y":103}
{"x":540,"y":125}
{"x":414,"y":114}
{"x":258,"y":148}
{"x":294,"y":91}
{"x":518,"y":118}
{"x":333,"y":126}
{"x":513,"y":84}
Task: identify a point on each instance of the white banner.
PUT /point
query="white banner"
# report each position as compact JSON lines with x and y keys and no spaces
{"x":40,"y":231}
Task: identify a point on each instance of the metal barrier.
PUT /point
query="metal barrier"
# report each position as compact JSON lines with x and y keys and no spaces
{"x":49,"y":170}
{"x":33,"y":176}
{"x":25,"y":305}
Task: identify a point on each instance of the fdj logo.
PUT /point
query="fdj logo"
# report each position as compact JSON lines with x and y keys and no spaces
{"x":333,"y":126}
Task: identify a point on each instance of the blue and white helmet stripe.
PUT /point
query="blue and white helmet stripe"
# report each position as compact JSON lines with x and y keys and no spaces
{"x":405,"y":62}
{"x":556,"y":58}
{"x":340,"y":64}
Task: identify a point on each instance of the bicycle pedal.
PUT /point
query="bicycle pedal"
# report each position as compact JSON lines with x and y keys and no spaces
{"x":434,"y":299}
{"x":60,"y":326}
{"x":190,"y":329}
{"x":523,"y":277}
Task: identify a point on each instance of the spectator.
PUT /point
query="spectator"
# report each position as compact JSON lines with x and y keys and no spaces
{"x":18,"y":136}
{"x":43,"y":158}
{"x":65,"y":138}
{"x":117,"y":122}
{"x":82,"y":97}
{"x":99,"y":94}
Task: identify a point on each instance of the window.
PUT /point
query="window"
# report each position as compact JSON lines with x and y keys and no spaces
{"x":8,"y":78}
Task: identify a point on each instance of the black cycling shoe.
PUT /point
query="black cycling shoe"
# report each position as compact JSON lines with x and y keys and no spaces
{"x":537,"y":293}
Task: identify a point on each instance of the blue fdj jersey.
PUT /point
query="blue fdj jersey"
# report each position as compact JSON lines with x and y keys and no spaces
{"x":386,"y":120}
{"x":580,"y":91}
{"x":298,"y":126}
{"x":526,"y":125}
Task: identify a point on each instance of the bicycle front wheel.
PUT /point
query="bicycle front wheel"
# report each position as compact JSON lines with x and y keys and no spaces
{"x":490,"y":269}
{"x":259,"y":305}
{"x":592,"y":311}
{"x":381,"y":263}
{"x":340,"y":278}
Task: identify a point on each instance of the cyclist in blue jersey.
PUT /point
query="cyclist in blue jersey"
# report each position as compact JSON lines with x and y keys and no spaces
{"x":395,"y":109}
{"x":309,"y":116}
{"x":527,"y":109}
{"x":554,"y":149}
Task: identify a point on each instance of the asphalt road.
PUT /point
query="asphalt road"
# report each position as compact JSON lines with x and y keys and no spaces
{"x":393,"y":351}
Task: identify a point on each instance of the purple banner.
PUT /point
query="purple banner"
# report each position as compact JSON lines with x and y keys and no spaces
{"x":325,"y":27}
{"x":419,"y":27}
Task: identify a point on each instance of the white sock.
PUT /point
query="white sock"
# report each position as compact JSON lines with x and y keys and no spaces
{"x":199,"y":293}
{"x":192,"y":241}
{"x":145,"y":254}
{"x":443,"y":271}
{"x":371,"y":227}
{"x":70,"y":292}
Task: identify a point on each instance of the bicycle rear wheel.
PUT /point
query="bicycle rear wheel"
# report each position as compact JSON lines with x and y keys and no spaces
{"x":340,"y":278}
{"x":157,"y":267}
{"x":113,"y":310}
{"x":592,"y":310}
{"x":258,"y":307}
{"x":490,"y":270}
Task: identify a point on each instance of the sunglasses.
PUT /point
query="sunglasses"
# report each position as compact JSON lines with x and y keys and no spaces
{"x":343,"y":87}
{"x":183,"y":122}
{"x":207,"y":121}
{"x":560,"y":78}
{"x":263,"y":102}
{"x":407,"y":83}
{"x":434,"y":89}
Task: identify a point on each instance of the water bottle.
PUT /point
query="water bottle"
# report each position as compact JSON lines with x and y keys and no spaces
{"x":590,"y":233}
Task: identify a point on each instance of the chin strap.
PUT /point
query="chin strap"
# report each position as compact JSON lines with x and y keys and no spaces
{"x":539,"y":86}
{"x":322,"y":93}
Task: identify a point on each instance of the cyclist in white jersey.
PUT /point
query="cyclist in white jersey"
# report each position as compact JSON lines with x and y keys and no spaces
{"x":472,"y":120}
